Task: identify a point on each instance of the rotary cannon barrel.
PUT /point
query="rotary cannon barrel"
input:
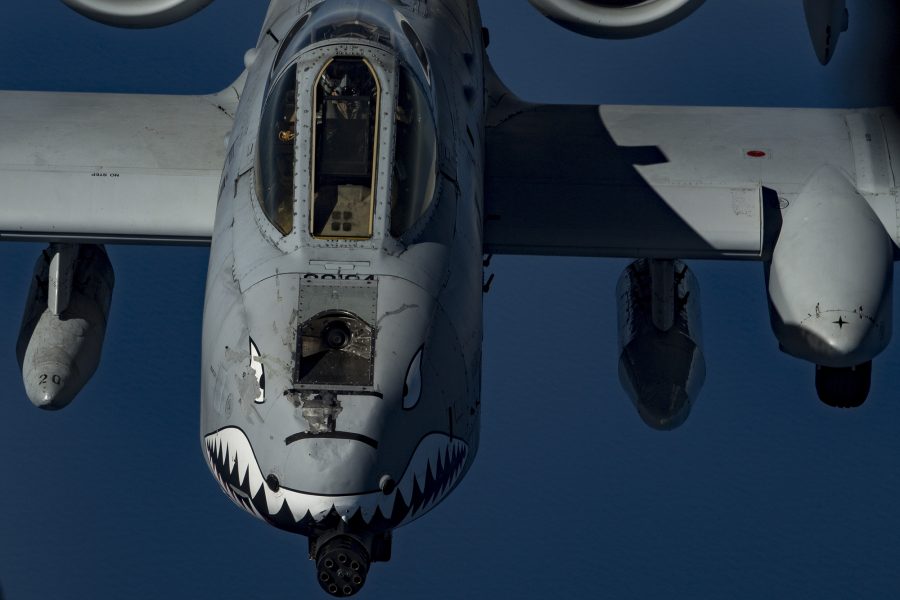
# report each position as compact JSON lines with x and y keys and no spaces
{"x":343,"y":558}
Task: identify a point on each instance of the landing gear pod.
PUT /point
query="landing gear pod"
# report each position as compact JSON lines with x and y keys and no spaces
{"x":844,"y":388}
{"x":616,"y":18}
{"x":64,"y":324}
{"x":830,"y":285}
{"x":343,"y":559}
{"x":137,"y":14}
{"x":661,"y":363}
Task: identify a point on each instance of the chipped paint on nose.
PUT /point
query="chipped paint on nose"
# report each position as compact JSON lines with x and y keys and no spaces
{"x":321,"y":415}
{"x":331,"y":466}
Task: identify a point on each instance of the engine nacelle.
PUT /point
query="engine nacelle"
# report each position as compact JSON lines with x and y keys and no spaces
{"x":661,"y":363}
{"x":616,"y":18}
{"x":64,"y":324}
{"x":137,"y":13}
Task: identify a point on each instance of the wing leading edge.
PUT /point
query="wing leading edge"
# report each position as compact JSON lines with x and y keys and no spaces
{"x":669,"y":182}
{"x":98,"y":168}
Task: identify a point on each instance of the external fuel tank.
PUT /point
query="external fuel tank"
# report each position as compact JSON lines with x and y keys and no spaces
{"x":64,"y":324}
{"x":661,"y":363}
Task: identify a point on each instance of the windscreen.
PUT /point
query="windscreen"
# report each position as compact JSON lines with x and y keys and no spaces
{"x":415,"y":156}
{"x":346,"y":126}
{"x":276,"y":154}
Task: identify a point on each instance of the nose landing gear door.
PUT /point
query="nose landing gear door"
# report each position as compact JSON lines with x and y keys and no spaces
{"x":336,"y":341}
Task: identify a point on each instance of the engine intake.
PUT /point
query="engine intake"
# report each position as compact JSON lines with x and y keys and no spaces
{"x":137,"y":14}
{"x":616,"y":18}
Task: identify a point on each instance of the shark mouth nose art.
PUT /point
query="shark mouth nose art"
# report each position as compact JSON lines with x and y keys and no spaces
{"x":432,"y":472}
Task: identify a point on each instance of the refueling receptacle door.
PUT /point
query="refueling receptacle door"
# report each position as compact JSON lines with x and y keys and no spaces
{"x":336,"y":341}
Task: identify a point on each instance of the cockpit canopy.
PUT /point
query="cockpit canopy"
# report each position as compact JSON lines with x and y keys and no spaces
{"x":348,"y":100}
{"x":338,"y":20}
{"x":415,"y":156}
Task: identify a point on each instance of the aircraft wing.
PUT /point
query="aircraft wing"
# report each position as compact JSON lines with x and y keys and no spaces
{"x":669,"y":182}
{"x":112,"y":167}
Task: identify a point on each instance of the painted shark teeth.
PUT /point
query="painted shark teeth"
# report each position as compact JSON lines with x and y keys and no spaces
{"x":433,"y":471}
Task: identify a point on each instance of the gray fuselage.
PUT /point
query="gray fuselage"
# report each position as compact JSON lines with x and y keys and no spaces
{"x":342,"y":328}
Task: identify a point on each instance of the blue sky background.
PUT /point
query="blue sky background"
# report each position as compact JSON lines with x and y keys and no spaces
{"x":764,"y":492}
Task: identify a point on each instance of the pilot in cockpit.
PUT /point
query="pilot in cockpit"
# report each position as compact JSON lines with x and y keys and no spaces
{"x":349,"y":89}
{"x":287,"y":124}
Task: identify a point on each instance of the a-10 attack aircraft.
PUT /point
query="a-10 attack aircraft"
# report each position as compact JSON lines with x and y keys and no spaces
{"x":372,"y":163}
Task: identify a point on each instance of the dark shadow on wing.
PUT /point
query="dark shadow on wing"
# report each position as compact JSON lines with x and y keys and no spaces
{"x":557,"y":183}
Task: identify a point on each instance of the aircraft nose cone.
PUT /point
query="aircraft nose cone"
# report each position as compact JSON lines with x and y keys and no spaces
{"x":46,"y":385}
{"x":332,"y":463}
